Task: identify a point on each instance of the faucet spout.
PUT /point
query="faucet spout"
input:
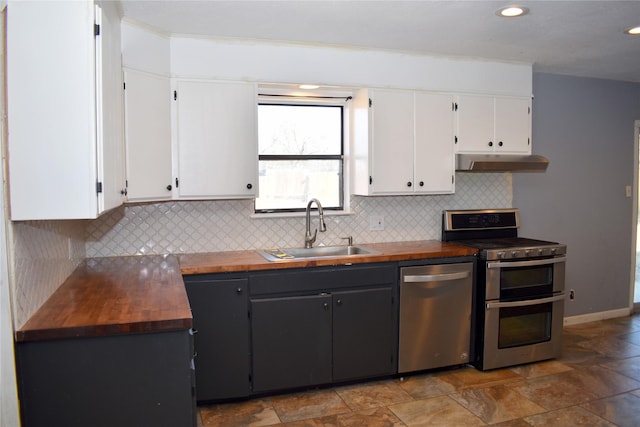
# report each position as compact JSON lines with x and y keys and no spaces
{"x":308,"y":238}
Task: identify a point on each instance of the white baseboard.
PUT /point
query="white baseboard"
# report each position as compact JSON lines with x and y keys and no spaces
{"x":592,"y":317}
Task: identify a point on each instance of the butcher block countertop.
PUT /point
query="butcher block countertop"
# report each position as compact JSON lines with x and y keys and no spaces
{"x":234,"y":261}
{"x":122,"y":295}
{"x":111,"y":296}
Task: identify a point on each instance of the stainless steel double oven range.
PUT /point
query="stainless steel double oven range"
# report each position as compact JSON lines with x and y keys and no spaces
{"x":519,"y":298}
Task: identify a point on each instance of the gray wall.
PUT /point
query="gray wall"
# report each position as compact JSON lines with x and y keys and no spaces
{"x":586,"y":129}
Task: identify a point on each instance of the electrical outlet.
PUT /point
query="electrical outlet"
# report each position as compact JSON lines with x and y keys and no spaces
{"x":627,"y":190}
{"x":572,"y":294}
{"x":376,"y":222}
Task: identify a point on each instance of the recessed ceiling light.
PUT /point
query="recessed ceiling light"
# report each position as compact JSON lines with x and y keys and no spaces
{"x":634,"y":31}
{"x":308,"y":87}
{"x":512,"y":11}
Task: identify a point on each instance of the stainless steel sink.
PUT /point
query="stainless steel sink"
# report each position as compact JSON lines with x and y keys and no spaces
{"x":317,"y":252}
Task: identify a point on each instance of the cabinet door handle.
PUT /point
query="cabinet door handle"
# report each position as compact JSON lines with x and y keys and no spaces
{"x":325,"y":306}
{"x":169,"y":187}
{"x":339,"y":302}
{"x":409,"y":184}
{"x":249,"y":186}
{"x":421,"y":184}
{"x":500,"y":143}
{"x":490,"y":143}
{"x":239,"y":291}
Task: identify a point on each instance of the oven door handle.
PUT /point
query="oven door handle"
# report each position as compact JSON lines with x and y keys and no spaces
{"x":545,"y":261}
{"x":491,"y":305}
{"x":435,"y":277}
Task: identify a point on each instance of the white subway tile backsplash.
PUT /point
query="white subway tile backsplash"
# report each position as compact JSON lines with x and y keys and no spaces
{"x":206,"y":226}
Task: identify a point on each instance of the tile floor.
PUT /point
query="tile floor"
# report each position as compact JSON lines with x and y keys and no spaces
{"x":596,"y":382}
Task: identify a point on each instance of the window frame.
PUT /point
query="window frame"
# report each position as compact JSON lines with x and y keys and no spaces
{"x":309,"y":101}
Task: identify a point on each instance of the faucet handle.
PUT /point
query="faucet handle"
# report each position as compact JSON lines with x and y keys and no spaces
{"x":349,"y":240}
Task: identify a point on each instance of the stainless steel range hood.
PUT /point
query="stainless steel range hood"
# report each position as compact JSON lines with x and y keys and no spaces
{"x":500,"y":163}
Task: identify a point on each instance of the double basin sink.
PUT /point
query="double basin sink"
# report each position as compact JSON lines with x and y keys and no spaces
{"x":318,"y":252}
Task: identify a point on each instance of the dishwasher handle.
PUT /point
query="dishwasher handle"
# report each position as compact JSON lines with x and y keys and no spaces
{"x":422,"y":278}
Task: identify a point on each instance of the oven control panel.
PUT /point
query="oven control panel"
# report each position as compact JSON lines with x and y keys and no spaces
{"x":525,"y":252}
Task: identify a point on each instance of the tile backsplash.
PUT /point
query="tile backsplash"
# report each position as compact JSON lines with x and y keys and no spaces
{"x":207,"y":226}
{"x":47,"y":252}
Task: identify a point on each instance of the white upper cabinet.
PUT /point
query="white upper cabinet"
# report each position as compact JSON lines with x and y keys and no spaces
{"x":434,"y":167}
{"x":513,"y":124}
{"x":148,"y":136}
{"x":493,"y":124}
{"x":403,"y":142}
{"x":217,"y":139}
{"x":64,"y":79}
{"x":391,"y":141}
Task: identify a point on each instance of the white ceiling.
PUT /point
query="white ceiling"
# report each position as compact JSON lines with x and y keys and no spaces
{"x":579,"y":38}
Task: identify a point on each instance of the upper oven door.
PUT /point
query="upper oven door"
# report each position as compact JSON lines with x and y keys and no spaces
{"x":509,"y":280}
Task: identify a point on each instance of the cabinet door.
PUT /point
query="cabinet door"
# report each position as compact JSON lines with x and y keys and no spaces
{"x":513,"y":125}
{"x":127,"y":380}
{"x":391,"y":155}
{"x":475,"y":124}
{"x":220,"y":315}
{"x":110,"y":118}
{"x":58,"y":169}
{"x":363,"y":344}
{"x":291,"y":340}
{"x":217,"y":139}
{"x":434,"y":161}
{"x":148,"y":136}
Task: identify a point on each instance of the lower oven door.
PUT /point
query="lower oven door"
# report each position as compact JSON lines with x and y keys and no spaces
{"x":523,"y":331}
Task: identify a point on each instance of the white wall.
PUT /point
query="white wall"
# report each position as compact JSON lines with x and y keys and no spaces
{"x":9,"y":414}
{"x":145,"y":50}
{"x":270,"y":62}
{"x":296,"y":63}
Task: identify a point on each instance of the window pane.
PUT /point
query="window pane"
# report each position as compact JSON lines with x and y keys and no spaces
{"x":299,"y":129}
{"x":290,"y":184}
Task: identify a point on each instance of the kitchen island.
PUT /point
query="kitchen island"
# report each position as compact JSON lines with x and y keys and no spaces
{"x":113,"y":345}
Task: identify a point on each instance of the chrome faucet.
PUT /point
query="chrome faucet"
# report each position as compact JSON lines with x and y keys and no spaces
{"x":308,"y":238}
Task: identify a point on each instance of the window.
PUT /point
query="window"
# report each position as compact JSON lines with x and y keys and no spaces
{"x":300,"y":150}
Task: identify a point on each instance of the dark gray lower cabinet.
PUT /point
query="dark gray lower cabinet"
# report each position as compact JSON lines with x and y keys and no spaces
{"x":363,"y":344}
{"x":283,"y":329}
{"x":291,"y":342}
{"x":123,"y":380}
{"x":220,"y":308}
{"x":343,"y":327}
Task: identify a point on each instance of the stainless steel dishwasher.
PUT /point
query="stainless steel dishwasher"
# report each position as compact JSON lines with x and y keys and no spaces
{"x":435,"y":316}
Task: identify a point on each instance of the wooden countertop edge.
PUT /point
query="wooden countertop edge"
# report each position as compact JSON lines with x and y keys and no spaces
{"x":327,"y":262}
{"x":90,"y":331}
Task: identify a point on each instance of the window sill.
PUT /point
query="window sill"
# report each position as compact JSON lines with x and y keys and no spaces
{"x":345,"y":212}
